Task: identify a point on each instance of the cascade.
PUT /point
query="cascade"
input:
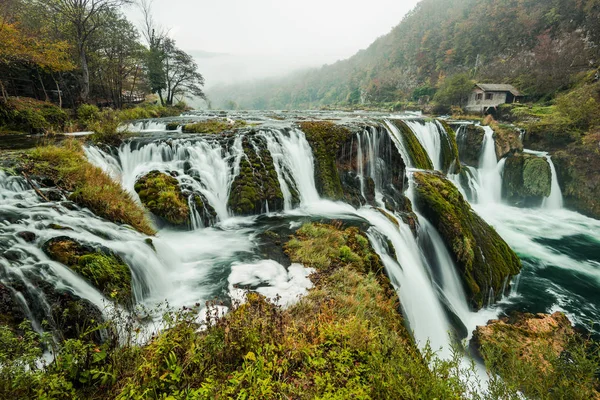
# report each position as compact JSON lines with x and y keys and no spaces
{"x":555,"y":201}
{"x":410,"y":277}
{"x":490,"y":171}
{"x":429,"y":136}
{"x":294,"y":164}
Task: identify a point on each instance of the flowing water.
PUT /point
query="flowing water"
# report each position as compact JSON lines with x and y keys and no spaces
{"x":560,"y":249}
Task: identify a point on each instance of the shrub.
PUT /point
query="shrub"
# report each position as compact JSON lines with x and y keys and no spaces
{"x":454,"y":91}
{"x":581,"y":106}
{"x":88,"y":114}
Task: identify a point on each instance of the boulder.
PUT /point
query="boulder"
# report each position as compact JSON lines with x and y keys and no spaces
{"x":160,"y":194}
{"x":507,"y":140}
{"x":469,"y":139}
{"x":416,"y":152}
{"x":527,"y":180}
{"x":483,"y":258}
{"x":96,"y":264}
{"x":256,"y":188}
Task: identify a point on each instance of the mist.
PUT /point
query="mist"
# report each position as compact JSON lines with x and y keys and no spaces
{"x":235,"y":41}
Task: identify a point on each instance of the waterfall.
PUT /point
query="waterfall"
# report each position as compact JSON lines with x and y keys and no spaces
{"x":490,"y":171}
{"x":206,"y":165}
{"x":400,"y":146}
{"x":22,"y":211}
{"x":294,"y":164}
{"x":410,"y":277}
{"x":555,"y":200}
{"x":429,"y":136}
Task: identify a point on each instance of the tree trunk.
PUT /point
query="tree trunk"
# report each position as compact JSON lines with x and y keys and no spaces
{"x":58,"y":92}
{"x":85,"y":74}
{"x":4,"y":94}
{"x":42,"y":83}
{"x":162,"y":102}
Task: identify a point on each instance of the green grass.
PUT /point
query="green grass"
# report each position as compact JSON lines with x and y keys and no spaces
{"x":213,"y":126}
{"x":90,"y":187}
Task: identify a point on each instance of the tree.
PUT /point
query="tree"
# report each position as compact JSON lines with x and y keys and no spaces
{"x":171,"y":71}
{"x":84,"y":17}
{"x":455,"y":91}
{"x":116,"y":58}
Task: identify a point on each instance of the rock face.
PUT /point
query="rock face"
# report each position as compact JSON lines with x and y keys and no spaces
{"x":98,"y":265}
{"x":578,"y":171}
{"x":161,"y":195}
{"x":483,"y":258}
{"x":507,"y":140}
{"x":527,"y":180}
{"x":470,"y":140}
{"x":327,"y":140}
{"x":257,"y":186}
{"x":450,"y":157}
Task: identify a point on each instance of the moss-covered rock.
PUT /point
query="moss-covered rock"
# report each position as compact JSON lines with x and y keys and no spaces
{"x":31,"y":116}
{"x":507,"y":140}
{"x":578,"y":172}
{"x":483,"y":258}
{"x":418,"y":156}
{"x":450,"y":157}
{"x":98,"y":265}
{"x":469,"y":139}
{"x":540,"y":354}
{"x":207,"y":213}
{"x":326,"y":139}
{"x":172,"y":126}
{"x":256,"y":188}
{"x":527,"y":180}
{"x":160,"y":193}
{"x":213,"y":126}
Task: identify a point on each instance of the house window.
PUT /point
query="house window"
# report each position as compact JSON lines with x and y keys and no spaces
{"x":489,"y":96}
{"x":479,"y":96}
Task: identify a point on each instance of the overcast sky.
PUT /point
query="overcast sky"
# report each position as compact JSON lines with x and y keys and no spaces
{"x":289,"y":34}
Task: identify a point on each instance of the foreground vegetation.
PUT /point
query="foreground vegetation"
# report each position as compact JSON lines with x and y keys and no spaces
{"x":345,"y":339}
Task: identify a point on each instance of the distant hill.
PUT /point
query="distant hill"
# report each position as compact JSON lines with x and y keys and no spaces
{"x":535,"y":45}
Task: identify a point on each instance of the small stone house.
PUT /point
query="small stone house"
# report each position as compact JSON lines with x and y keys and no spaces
{"x":486,"y":97}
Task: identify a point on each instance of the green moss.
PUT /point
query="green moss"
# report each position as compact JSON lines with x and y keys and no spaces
{"x":67,"y":166}
{"x":323,"y":246}
{"x":450,"y":158}
{"x":416,"y":152}
{"x":326,"y":139}
{"x":99,"y":266}
{"x":527,"y":179}
{"x":213,"y":126}
{"x":484,"y":259}
{"x":172,"y":126}
{"x":257,"y":183}
{"x":160,"y":193}
{"x":31,"y":116}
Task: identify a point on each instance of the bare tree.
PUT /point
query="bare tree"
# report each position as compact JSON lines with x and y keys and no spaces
{"x":84,"y":17}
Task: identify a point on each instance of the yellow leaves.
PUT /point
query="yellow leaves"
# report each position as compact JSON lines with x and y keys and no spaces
{"x":19,"y":46}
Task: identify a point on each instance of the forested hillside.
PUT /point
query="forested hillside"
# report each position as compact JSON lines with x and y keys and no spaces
{"x":539,"y":46}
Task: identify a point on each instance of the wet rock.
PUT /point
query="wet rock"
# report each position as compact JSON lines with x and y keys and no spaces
{"x":416,"y":152}
{"x":53,"y":195}
{"x":527,"y":180}
{"x":27,"y":236}
{"x":469,"y":139}
{"x":484,"y":259}
{"x":578,"y":172}
{"x":160,"y":193}
{"x":96,"y":264}
{"x":256,"y":188}
{"x":506,"y":139}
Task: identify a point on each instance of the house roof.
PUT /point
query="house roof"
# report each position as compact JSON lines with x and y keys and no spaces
{"x":492,"y":87}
